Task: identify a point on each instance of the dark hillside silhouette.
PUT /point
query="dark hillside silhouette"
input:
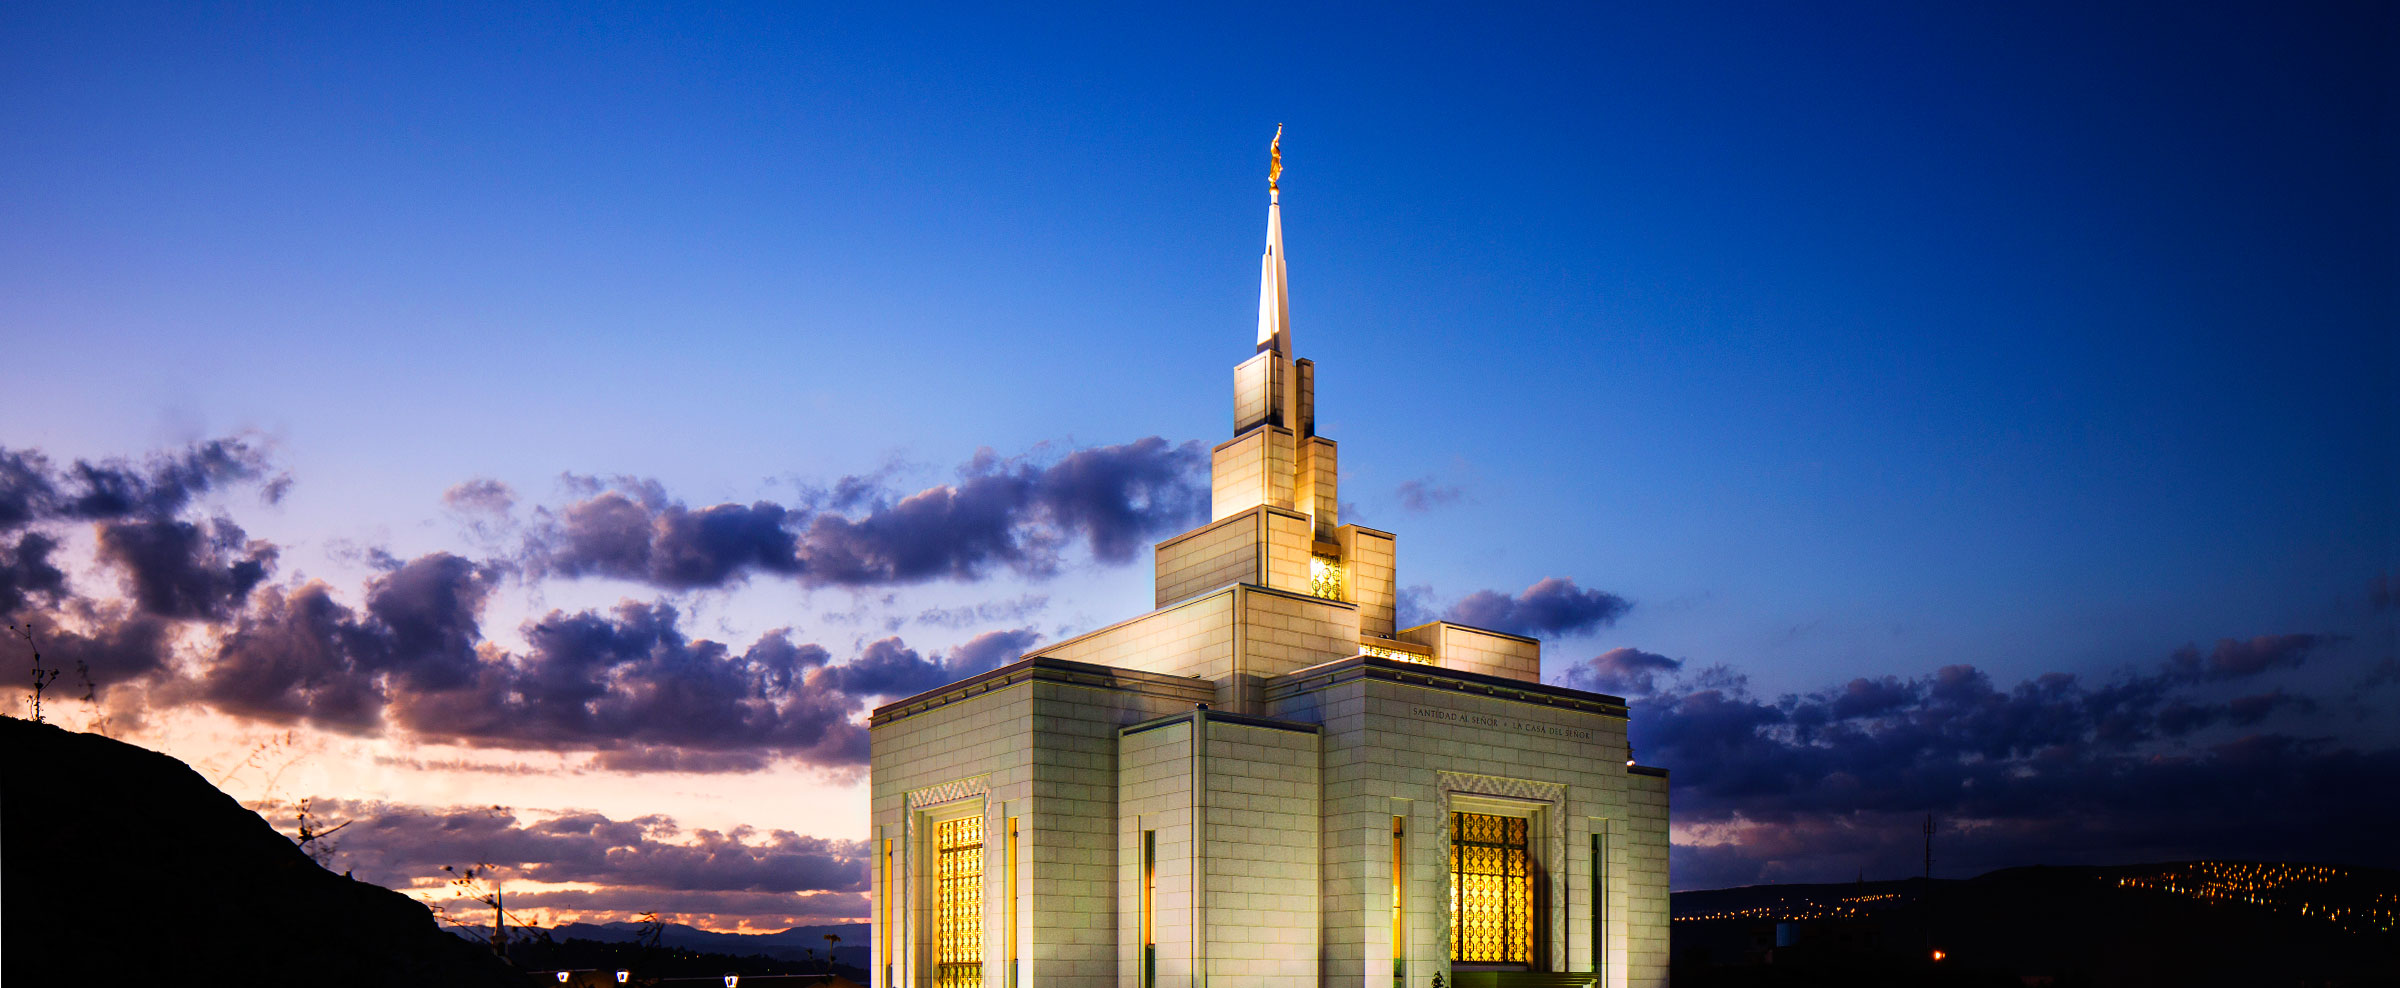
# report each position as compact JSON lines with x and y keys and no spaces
{"x":121,"y":865}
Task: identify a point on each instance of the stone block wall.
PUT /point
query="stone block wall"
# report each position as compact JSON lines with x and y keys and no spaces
{"x":1226,"y":551}
{"x":1369,"y":563}
{"x":1194,"y":638}
{"x":1259,"y":840}
{"x":1155,"y":791}
{"x":1288,"y":544}
{"x":1396,"y":749}
{"x":1318,"y":492}
{"x":1646,"y":902}
{"x":1471,"y":649}
{"x":1041,"y":749}
{"x":1257,"y":390}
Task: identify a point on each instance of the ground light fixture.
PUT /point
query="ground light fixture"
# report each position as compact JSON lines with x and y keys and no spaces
{"x":562,"y":977}
{"x":622,"y":975}
{"x":733,"y":981}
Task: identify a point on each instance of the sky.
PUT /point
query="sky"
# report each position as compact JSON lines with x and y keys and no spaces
{"x":538,"y":435}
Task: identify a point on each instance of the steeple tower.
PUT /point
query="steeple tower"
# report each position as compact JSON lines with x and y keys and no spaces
{"x":1274,"y":293}
{"x":1276,"y":458}
{"x":1274,"y":500}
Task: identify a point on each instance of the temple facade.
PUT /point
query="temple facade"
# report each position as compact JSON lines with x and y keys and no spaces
{"x":1264,"y":782}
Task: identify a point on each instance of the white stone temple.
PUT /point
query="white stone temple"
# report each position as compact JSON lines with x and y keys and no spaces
{"x":1264,"y":782}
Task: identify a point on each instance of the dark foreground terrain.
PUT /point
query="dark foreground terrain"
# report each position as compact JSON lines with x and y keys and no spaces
{"x":120,"y":865}
{"x":2199,"y":923}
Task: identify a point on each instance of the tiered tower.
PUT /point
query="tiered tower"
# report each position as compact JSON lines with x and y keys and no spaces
{"x":1263,"y":782}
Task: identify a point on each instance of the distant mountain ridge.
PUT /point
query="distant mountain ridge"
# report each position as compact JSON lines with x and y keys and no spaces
{"x":797,"y":943}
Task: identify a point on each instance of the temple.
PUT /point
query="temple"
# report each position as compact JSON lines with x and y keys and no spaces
{"x":1264,"y":781}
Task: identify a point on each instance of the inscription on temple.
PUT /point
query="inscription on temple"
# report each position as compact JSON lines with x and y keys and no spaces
{"x":1499,"y":723}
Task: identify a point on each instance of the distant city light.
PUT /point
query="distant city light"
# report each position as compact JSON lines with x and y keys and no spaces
{"x":1938,"y":955}
{"x":2323,"y":893}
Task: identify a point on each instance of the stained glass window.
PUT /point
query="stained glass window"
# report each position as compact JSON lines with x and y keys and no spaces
{"x":958,"y":894}
{"x":1491,"y":890}
{"x":1325,"y":577}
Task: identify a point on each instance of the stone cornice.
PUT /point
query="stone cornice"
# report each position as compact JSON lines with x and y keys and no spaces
{"x":1048,"y":670}
{"x":1220,"y":717}
{"x":1356,"y":667}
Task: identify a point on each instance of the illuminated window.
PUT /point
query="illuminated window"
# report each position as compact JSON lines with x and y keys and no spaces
{"x":884,"y":897}
{"x":1491,"y":890}
{"x":1395,"y":655}
{"x":1149,"y":909}
{"x":1399,"y":901}
{"x":1599,"y":895}
{"x":1008,"y":866}
{"x":1325,"y":577}
{"x":958,"y":894}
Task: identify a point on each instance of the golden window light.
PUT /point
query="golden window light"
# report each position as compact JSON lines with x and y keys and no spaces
{"x":1491,"y":890}
{"x":1395,"y":655}
{"x":958,"y":897}
{"x":1325,"y":577}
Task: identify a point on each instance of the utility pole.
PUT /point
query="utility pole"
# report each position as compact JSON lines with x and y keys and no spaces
{"x":1929,"y":885}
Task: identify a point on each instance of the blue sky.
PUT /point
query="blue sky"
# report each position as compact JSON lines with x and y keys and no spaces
{"x":1841,"y":342}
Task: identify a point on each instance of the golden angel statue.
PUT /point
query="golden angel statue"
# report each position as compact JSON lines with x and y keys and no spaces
{"x":1275,"y":158}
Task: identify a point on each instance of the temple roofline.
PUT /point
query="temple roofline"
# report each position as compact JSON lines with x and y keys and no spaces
{"x":1338,"y":671}
{"x":1046,"y":669}
{"x":1196,"y":716}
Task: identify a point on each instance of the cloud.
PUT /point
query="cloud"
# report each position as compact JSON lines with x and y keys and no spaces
{"x":26,"y":571}
{"x":108,"y":647}
{"x":297,"y":656}
{"x":1812,"y":787}
{"x":1621,"y":671}
{"x":1414,"y":605}
{"x":753,"y":911}
{"x":300,"y":655}
{"x":627,"y":683}
{"x":480,"y":496}
{"x":632,"y":686}
{"x":32,"y":490}
{"x":668,"y":545}
{"x":889,"y":669}
{"x":179,"y":569}
{"x":408,"y":656}
{"x":1553,"y":606}
{"x":1013,"y":610}
{"x":2232,"y":659}
{"x":642,"y":864}
{"x":1014,"y":513}
{"x":175,"y":568}
{"x":630,"y":679}
{"x":1425,"y":494}
{"x":427,"y":615}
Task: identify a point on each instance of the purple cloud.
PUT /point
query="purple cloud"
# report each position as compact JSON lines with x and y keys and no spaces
{"x":1010,"y":513}
{"x":1553,"y":606}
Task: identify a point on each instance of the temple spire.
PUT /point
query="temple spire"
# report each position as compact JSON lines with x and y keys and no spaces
{"x":1274,"y":296}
